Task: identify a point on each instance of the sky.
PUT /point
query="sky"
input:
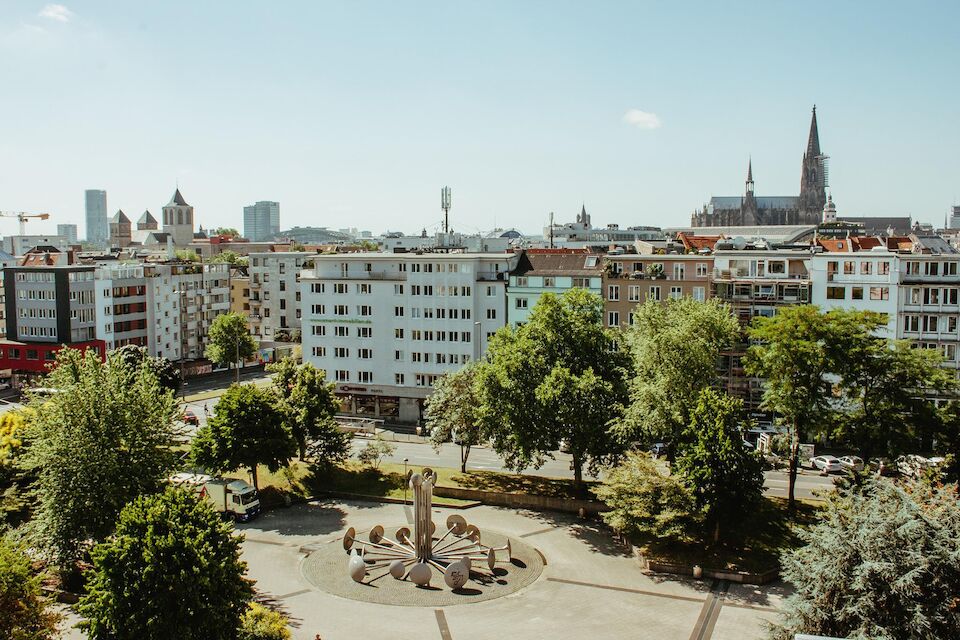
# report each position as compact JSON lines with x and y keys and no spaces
{"x":356,"y":113}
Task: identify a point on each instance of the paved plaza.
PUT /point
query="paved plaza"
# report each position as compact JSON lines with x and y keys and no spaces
{"x":589,"y":587}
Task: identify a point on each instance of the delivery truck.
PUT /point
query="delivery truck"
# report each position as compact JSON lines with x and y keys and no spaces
{"x":233,"y":498}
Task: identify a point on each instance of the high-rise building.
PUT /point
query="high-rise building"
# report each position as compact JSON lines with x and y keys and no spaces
{"x":954,"y":221}
{"x":68,"y":231}
{"x":96,"y":207}
{"x":261,"y":221}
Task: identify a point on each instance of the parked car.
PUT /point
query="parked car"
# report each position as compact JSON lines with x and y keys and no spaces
{"x":912,"y":465}
{"x":883,"y":467}
{"x":189,"y":417}
{"x":852,"y":463}
{"x":658,"y":449}
{"x":827,"y":464}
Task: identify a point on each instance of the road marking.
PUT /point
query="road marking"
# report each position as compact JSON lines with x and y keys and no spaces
{"x":625,"y":590}
{"x":710,"y":611}
{"x":538,"y":532}
{"x":442,"y":623}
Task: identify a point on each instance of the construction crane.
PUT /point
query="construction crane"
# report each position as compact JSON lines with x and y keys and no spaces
{"x":23,"y":216}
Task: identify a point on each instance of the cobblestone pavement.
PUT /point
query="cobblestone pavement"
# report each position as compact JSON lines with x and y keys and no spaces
{"x":590,"y":587}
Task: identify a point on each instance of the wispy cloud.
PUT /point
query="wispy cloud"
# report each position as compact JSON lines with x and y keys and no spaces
{"x":642,"y":119}
{"x":57,"y":12}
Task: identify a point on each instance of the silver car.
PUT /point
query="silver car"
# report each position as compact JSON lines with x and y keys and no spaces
{"x":827,"y":464}
{"x":852,"y":463}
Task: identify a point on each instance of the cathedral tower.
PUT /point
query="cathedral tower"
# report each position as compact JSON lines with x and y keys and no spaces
{"x":178,"y":220}
{"x":813,"y":177}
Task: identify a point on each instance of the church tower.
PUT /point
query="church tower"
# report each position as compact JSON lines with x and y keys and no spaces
{"x":748,"y":208}
{"x":813,"y":177}
{"x":178,"y":220}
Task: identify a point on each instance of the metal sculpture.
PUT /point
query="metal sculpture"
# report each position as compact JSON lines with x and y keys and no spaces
{"x":413,"y":555}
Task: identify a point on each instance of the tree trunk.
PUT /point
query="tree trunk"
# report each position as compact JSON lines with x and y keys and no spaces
{"x":302,"y":446}
{"x":792,"y":475}
{"x":464,"y":454}
{"x":253,"y":474}
{"x":577,"y":472}
{"x":237,"y":365}
{"x":716,"y":532}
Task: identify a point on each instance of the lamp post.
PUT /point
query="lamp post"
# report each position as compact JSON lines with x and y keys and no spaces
{"x":405,"y":481}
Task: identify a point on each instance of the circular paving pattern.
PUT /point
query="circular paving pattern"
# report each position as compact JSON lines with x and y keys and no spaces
{"x":326,"y":568}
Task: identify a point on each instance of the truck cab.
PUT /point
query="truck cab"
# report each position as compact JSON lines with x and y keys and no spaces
{"x":233,"y":498}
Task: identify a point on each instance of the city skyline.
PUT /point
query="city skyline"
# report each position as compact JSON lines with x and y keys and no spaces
{"x":356,"y":116}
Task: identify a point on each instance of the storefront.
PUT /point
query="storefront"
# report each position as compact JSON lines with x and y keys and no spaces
{"x":388,"y":403}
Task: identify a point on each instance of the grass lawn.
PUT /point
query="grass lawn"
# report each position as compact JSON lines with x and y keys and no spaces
{"x":387,"y":482}
{"x":762,"y":538}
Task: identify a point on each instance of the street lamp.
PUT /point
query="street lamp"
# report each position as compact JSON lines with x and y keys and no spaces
{"x":405,"y":480}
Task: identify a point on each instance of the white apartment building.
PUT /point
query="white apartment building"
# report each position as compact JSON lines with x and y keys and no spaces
{"x":20,"y":245}
{"x":386,"y":326}
{"x":182,"y":301}
{"x":861,"y":280}
{"x":122,"y":312}
{"x":275,"y":292}
{"x":929,"y":302}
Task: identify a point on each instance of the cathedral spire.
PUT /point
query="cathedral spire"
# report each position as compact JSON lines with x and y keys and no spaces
{"x":750,"y":175}
{"x":813,"y":142}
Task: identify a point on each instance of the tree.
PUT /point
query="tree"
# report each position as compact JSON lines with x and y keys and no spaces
{"x":226,"y":231}
{"x":309,"y":405}
{"x":452,"y":412}
{"x":261,"y":623}
{"x":794,"y":356}
{"x":171,"y":570}
{"x":375,"y":451}
{"x":167,"y":373}
{"x":24,"y":613}
{"x":105,"y":437}
{"x":246,"y":430}
{"x":14,"y":501}
{"x":887,"y":388}
{"x":881,"y":564}
{"x":675,"y":347}
{"x":230,"y":341}
{"x":563,"y":344}
{"x":646,"y":502}
{"x":232,"y":258}
{"x":725,"y":477}
{"x":186,"y":255}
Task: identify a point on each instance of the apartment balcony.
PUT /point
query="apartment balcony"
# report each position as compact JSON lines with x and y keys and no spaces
{"x":358,"y":275}
{"x":491,"y":276}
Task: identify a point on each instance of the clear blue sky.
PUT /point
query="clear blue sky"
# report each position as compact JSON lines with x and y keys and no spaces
{"x":356,"y":113}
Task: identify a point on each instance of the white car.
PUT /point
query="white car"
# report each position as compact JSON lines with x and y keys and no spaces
{"x":827,"y":464}
{"x":852,"y":463}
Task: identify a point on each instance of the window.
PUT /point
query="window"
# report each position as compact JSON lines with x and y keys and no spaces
{"x":364,"y":332}
{"x":930,"y":323}
{"x":365,"y":310}
{"x":365,"y":376}
{"x":911,"y":324}
{"x":653,"y":293}
{"x":398,"y":378}
{"x":883,"y":268}
{"x":836,"y":293}
{"x":521,"y":281}
{"x":701,"y":269}
{"x":341,"y":352}
{"x":491,"y":291}
{"x":318,"y":330}
{"x":364,"y":288}
{"x":879,"y":293}
{"x":491,"y":314}
{"x":633,"y":293}
{"x":398,"y":289}
{"x":931,"y":296}
{"x":699,"y":294}
{"x":866,"y":268}
{"x":676,"y":293}
{"x":340,"y":287}
{"x":398,"y":334}
{"x":365,"y":354}
{"x":521,"y":303}
{"x":849,"y":267}
{"x":549,"y":281}
{"x":398,"y":312}
{"x":342,"y":376}
{"x":613,"y":292}
{"x":319,"y":352}
{"x":398,"y":355}
{"x":613,"y":319}
{"x":583,"y":283}
{"x":931,"y":268}
{"x":340,"y":310}
{"x":856,"y":293}
{"x":341,"y":331}
{"x":679,"y":271}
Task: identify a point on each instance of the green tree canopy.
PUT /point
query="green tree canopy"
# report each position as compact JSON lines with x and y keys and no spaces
{"x":171,"y":570}
{"x":24,"y":612}
{"x":309,"y":406}
{"x":232,"y":258}
{"x":644,"y":501}
{"x":726,"y":477}
{"x":452,"y":412}
{"x":187,"y":255}
{"x":246,"y":430}
{"x":226,"y":231}
{"x":676,"y":348}
{"x":563,"y":344}
{"x":881,"y":565}
{"x":261,"y":623}
{"x":104,"y":438}
{"x":230,"y":340}
{"x":167,"y":372}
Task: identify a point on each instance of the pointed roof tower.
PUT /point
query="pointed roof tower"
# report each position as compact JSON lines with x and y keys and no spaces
{"x":147,"y":218}
{"x":121,"y":217}
{"x":750,"y":177}
{"x":813,"y":142}
{"x":177,"y":199}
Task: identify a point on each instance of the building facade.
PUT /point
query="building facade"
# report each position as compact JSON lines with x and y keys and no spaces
{"x":386,"y":326}
{"x":240,"y":292}
{"x":21,"y":245}
{"x":861,"y":280}
{"x":274,"y":296}
{"x":96,"y":216}
{"x":121,"y":303}
{"x":632,"y":279}
{"x":50,"y":304}
{"x":261,"y":221}
{"x":178,"y":220}
{"x":68,"y":232}
{"x":556,"y":271}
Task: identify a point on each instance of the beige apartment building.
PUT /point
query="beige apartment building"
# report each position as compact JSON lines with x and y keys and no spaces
{"x":632,"y":279}
{"x":240,"y":292}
